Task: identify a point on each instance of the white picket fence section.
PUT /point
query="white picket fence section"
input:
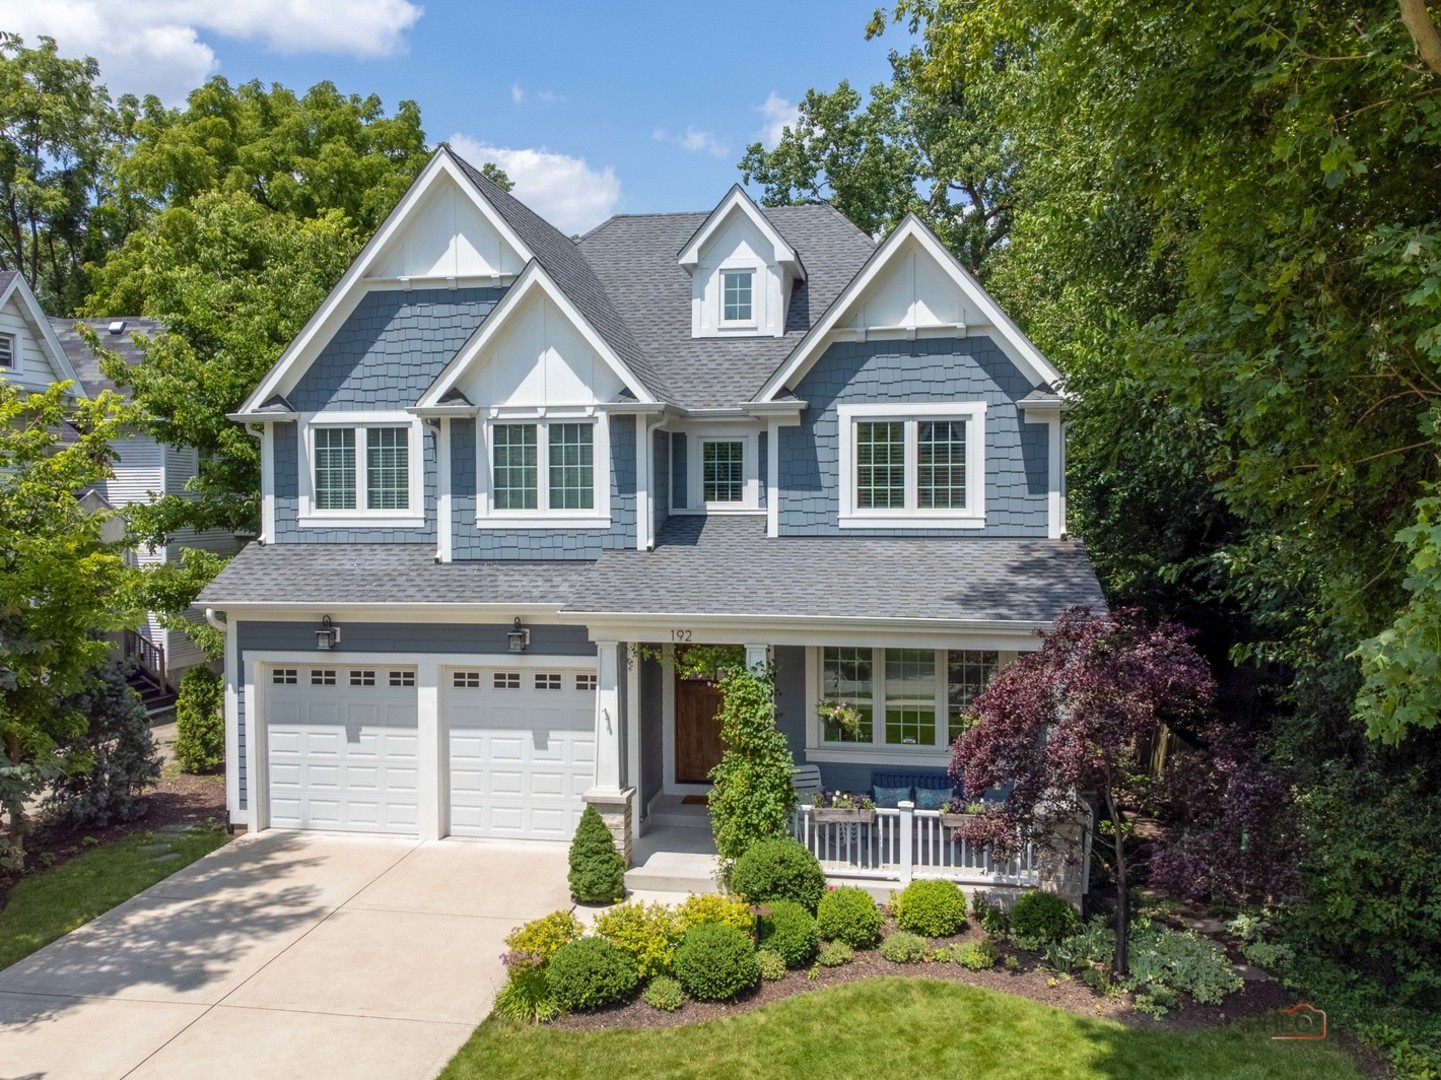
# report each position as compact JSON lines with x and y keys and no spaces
{"x":906,"y":843}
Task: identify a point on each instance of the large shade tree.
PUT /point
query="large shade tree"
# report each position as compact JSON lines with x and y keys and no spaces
{"x":1065,"y":723}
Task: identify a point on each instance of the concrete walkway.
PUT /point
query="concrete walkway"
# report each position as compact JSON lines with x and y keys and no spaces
{"x":283,"y":955}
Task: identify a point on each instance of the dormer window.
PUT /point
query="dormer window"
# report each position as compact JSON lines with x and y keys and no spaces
{"x":737,"y":287}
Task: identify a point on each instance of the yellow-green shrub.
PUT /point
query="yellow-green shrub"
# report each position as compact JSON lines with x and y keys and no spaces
{"x":714,"y":908}
{"x":647,"y":933}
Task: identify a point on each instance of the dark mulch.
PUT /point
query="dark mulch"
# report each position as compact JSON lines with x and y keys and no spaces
{"x":176,"y":799}
{"x":1253,"y":999}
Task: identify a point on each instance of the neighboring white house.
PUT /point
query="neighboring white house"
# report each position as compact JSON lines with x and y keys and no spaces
{"x":36,"y":351}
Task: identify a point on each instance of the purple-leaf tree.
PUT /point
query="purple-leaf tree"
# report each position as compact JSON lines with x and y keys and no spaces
{"x":1065,"y":723}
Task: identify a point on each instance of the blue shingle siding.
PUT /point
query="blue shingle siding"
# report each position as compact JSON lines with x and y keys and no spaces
{"x":660,"y":470}
{"x":472,"y":542}
{"x":287,"y":500}
{"x":910,"y":372}
{"x":391,"y":348}
{"x":677,"y":471}
{"x":459,"y":640}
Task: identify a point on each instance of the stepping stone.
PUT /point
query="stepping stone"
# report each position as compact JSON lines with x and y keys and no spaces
{"x":1251,"y":973}
{"x":166,"y":858}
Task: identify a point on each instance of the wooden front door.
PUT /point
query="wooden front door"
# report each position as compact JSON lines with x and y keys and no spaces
{"x":698,"y":743}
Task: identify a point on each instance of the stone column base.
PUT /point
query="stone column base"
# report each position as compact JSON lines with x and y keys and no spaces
{"x":1062,"y":857}
{"x":614,"y":808}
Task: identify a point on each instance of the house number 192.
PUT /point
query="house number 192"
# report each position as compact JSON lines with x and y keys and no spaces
{"x":680,"y":635}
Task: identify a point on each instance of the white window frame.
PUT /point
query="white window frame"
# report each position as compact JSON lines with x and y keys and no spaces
{"x":753,"y":321}
{"x":911,"y":515}
{"x":8,"y":360}
{"x":311,"y":517}
{"x":695,"y":471}
{"x":878,"y":751}
{"x":543,"y":517}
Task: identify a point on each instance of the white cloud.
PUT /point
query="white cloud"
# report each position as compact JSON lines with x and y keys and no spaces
{"x":158,"y":46}
{"x":550,"y":97}
{"x":517,"y":93}
{"x":566,"y":191}
{"x":777,"y":114}
{"x":694,"y":140}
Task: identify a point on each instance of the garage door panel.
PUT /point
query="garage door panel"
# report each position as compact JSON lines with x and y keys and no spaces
{"x":343,"y":757}
{"x":520,"y":757}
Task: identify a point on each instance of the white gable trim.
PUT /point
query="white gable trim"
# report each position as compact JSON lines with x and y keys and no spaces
{"x":532,"y":278}
{"x":352,"y":286}
{"x":59,"y":362}
{"x":1011,"y":340}
{"x":737,"y":199}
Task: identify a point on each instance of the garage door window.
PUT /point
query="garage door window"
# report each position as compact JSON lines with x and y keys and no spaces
{"x":547,"y":682}
{"x":585,"y":682}
{"x":362,"y":678}
{"x":506,"y":680}
{"x":322,"y":676}
{"x":466,"y":680}
{"x":284,"y":676}
{"x":402,"y":678}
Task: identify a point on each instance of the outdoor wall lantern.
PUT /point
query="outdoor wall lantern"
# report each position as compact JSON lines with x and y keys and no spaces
{"x":328,"y":634}
{"x":518,"y":638}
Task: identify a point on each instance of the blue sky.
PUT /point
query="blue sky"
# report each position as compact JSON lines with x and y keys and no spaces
{"x":593,"y":108}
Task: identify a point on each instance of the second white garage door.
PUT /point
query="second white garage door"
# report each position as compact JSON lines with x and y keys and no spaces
{"x":522,"y":750}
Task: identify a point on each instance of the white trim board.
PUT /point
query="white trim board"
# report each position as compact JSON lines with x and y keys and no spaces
{"x":734,"y":200}
{"x":1021,"y":351}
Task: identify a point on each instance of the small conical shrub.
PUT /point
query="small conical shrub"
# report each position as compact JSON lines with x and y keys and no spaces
{"x":597,"y":871}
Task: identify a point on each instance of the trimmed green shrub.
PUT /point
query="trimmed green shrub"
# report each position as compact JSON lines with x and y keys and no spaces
{"x":1039,"y":918}
{"x":772,"y":965}
{"x":1013,"y":963}
{"x":597,"y":870}
{"x":713,"y":908}
{"x":200,"y":721}
{"x":930,"y":908}
{"x":715,"y":963}
{"x":526,"y":997}
{"x":904,"y":948}
{"x":589,"y":973}
{"x":663,"y":993}
{"x":647,"y":933}
{"x":834,"y":954}
{"x":779,"y":870}
{"x":991,"y":917}
{"x":118,"y":741}
{"x":976,"y":955}
{"x":790,"y":932}
{"x":849,"y":914}
{"x":533,"y":944}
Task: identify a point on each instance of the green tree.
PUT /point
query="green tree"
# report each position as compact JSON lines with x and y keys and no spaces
{"x":929,"y":148}
{"x":61,"y":585}
{"x":57,"y":128}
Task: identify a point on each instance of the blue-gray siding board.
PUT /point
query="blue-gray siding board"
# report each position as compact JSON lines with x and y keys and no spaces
{"x":475,"y":542}
{"x":391,"y":348}
{"x":447,"y":639}
{"x":910,"y":372}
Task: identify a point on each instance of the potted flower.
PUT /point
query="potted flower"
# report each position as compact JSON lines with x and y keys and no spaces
{"x":958,"y":814}
{"x":842,"y":714}
{"x":843,"y":806}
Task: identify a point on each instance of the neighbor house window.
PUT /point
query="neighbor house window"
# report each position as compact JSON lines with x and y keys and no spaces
{"x":366,"y":469}
{"x":920,"y":695}
{"x":544,"y":466}
{"x":912,"y":466}
{"x":7,"y":350}
{"x":736,"y":298}
{"x":723,"y":477}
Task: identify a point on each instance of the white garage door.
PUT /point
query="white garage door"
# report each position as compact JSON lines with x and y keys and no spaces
{"x":522,"y":750}
{"x":342,"y":748}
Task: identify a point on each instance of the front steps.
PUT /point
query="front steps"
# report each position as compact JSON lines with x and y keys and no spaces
{"x":676,"y":853}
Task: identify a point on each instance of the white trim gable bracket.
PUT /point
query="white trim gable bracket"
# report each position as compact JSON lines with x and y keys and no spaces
{"x":532,"y":278}
{"x":1021,"y":351}
{"x":353,"y":285}
{"x":737,"y":200}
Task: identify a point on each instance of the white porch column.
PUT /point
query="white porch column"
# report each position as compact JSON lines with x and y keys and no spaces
{"x":631,"y":658}
{"x":611,"y":800}
{"x":756,"y":655}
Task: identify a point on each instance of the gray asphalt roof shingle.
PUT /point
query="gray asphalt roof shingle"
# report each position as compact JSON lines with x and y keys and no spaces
{"x":727,"y":566}
{"x":83,"y":359}
{"x":716,"y":565}
{"x":634,"y":257}
{"x":385,"y":574}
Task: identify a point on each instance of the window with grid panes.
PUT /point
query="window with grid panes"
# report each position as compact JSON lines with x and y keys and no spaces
{"x":572,"y":467}
{"x":911,"y":697}
{"x":736,"y":288}
{"x":880,"y":464}
{"x":387,"y":468}
{"x":362,"y":678}
{"x":516,"y":466}
{"x":967,"y":672}
{"x":846,"y":676}
{"x":547,"y":681}
{"x":941,"y":464}
{"x":465,"y":680}
{"x":335,"y":468}
{"x":506,"y":680}
{"x":322,"y":676}
{"x":723,"y":476}
{"x":402,"y":678}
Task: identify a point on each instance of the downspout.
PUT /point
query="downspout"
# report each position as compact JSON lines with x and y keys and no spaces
{"x":214,"y":621}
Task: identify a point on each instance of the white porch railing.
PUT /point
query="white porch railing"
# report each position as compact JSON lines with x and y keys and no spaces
{"x":906,"y":843}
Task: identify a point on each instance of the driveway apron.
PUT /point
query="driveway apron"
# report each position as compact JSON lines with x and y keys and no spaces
{"x":282,"y":955}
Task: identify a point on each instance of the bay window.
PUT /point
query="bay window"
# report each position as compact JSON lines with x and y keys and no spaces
{"x":912,"y":466}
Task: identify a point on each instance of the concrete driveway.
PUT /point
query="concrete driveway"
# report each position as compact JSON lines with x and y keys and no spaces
{"x":281,"y":955}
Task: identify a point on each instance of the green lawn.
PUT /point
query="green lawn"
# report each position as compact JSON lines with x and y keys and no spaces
{"x":49,"y":904}
{"x":896,"y":1028}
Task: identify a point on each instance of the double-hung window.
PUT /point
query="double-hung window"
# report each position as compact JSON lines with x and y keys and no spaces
{"x":363,"y":474}
{"x":738,"y":297}
{"x":723,"y":470}
{"x":546,"y":467}
{"x":912,"y":466}
{"x":911,"y":700}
